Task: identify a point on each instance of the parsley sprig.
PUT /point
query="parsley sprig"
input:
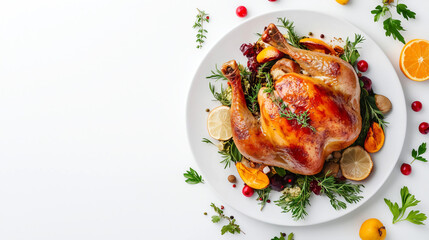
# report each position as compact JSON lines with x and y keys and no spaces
{"x":192,"y":177}
{"x":351,"y":53}
{"x":393,"y":26}
{"x":408,"y":200}
{"x":417,"y":154}
{"x":229,"y":152}
{"x":283,"y":237}
{"x":199,"y":24}
{"x":231,"y":227}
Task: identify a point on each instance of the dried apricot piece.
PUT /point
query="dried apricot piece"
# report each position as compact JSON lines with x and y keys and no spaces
{"x":317,"y":45}
{"x":374,"y":138}
{"x":268,"y":54}
{"x":254,"y":178}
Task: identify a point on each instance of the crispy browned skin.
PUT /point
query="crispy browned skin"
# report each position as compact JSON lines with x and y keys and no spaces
{"x":331,"y":96}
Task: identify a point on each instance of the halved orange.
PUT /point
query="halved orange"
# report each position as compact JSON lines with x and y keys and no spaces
{"x":414,"y":60}
{"x":314,"y":44}
{"x":356,"y":163}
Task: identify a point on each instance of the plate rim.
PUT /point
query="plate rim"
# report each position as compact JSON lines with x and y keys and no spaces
{"x":188,"y":117}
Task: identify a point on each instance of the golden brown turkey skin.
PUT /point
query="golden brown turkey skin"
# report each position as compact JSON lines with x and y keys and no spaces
{"x":276,"y":141}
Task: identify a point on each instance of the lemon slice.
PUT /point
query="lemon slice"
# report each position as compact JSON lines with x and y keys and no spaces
{"x":219,"y":123}
{"x":356,"y":163}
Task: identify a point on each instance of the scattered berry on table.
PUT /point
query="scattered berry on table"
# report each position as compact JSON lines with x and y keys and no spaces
{"x":268,"y":201}
{"x":207,"y":17}
{"x":362,"y":66}
{"x":233,"y":185}
{"x":272,"y":0}
{"x":424,"y":128}
{"x":248,"y":191}
{"x":322,"y":35}
{"x":222,"y":207}
{"x":406,"y":169}
{"x":241,"y":11}
{"x":416,"y":106}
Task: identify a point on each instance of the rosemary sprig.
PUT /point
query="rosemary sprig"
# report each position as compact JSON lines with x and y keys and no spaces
{"x":292,"y":36}
{"x":351,"y":53}
{"x":263,"y":195}
{"x":231,"y":227}
{"x":302,"y":119}
{"x":229,"y":152}
{"x":199,"y":24}
{"x":224,"y":96}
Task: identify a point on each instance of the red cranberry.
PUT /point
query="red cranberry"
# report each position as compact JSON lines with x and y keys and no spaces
{"x":268,"y":201}
{"x":416,"y":106}
{"x":406,"y":169}
{"x":272,"y":0}
{"x":233,"y":185}
{"x":248,"y":191}
{"x":207,"y":17}
{"x":241,"y":11}
{"x":424,"y":128}
{"x":222,"y":207}
{"x":322,"y":36}
{"x":314,"y":187}
{"x":362,"y":66}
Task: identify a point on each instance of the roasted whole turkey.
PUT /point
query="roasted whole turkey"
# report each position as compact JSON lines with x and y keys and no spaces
{"x":328,"y":93}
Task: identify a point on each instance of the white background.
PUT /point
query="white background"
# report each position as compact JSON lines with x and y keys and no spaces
{"x":93,"y":142}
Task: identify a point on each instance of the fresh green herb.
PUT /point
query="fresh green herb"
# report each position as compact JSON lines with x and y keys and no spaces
{"x":192,"y":177}
{"x":229,"y":152}
{"x":224,"y":96}
{"x":296,"y":205}
{"x":283,"y":237}
{"x":217,"y":74}
{"x":199,"y":24}
{"x":263,"y":195}
{"x":292,"y":36}
{"x":302,"y":119}
{"x":329,"y":186}
{"x":280,"y":171}
{"x":370,"y":113}
{"x":417,"y":154}
{"x":408,"y":200}
{"x":333,"y":188}
{"x":351,"y":53}
{"x":393,"y":26}
{"x":231,"y":227}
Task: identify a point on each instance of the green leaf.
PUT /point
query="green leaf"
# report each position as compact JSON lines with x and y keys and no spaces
{"x":290,"y":237}
{"x":280,"y":171}
{"x":416,"y":217}
{"x":403,"y":10}
{"x":422,"y":148}
{"x":236,"y":155}
{"x":215,"y":219}
{"x":192,"y":177}
{"x":394,"y":208}
{"x":414,"y":153}
{"x":379,"y":11}
{"x":392,"y":27}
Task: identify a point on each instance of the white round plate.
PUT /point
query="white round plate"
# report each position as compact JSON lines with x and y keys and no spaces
{"x":385,"y":81}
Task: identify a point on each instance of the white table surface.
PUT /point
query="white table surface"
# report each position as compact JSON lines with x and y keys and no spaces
{"x":93,"y":142}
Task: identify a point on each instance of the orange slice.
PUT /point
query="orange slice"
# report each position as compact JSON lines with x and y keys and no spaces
{"x":317,"y":45}
{"x":268,"y":54}
{"x":356,"y":163}
{"x":219,"y":123}
{"x":414,"y":60}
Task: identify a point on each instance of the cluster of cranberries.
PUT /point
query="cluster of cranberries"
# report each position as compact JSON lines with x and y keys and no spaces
{"x":278,"y":183}
{"x":250,"y":52}
{"x":315,"y":188}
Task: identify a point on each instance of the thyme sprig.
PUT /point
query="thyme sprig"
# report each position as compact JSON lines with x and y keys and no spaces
{"x":199,"y":24}
{"x":192,"y":177}
{"x":231,"y":227}
{"x":229,"y":152}
{"x":263,"y":195}
{"x":224,"y":96}
{"x":302,"y":118}
{"x":292,"y":36}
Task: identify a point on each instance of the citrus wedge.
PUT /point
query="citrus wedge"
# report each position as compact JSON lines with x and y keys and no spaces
{"x":414,"y":60}
{"x":356,"y":163}
{"x":219,"y":123}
